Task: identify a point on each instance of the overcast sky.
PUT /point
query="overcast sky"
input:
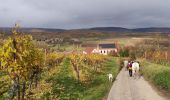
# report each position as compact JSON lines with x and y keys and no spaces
{"x":85,"y":13}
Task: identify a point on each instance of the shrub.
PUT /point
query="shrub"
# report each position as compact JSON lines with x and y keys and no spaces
{"x":157,"y":74}
{"x":163,"y":79}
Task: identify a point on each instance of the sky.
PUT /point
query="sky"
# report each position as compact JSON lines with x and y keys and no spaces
{"x":73,"y":14}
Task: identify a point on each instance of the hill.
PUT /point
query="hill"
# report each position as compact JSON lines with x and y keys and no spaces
{"x":138,"y":30}
{"x":110,"y":29}
{"x":94,"y":29}
{"x":30,"y":30}
{"x":152,"y":29}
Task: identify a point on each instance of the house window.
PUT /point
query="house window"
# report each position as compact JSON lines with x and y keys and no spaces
{"x":104,"y":51}
{"x":101,"y":51}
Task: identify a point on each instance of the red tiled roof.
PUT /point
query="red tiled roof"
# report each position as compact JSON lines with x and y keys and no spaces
{"x":89,"y":50}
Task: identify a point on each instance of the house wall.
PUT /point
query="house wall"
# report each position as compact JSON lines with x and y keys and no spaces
{"x":104,"y":51}
{"x":84,"y":52}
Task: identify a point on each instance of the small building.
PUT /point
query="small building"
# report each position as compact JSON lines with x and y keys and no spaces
{"x":88,"y":50}
{"x":105,"y":49}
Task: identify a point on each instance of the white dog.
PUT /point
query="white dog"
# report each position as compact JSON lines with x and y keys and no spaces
{"x":110,"y":77}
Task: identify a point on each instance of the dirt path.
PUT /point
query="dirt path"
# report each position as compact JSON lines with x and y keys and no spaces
{"x":128,"y":88}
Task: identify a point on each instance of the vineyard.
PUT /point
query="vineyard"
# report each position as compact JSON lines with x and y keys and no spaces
{"x":30,"y":72}
{"x":156,"y":50}
{"x":160,"y":57}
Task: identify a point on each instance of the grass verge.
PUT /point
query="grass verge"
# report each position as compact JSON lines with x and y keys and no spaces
{"x":101,"y":86}
{"x":159,"y":75}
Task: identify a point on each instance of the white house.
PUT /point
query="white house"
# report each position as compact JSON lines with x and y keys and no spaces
{"x":104,"y":49}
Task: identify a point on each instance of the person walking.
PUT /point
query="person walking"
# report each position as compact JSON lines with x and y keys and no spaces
{"x":130,"y":68}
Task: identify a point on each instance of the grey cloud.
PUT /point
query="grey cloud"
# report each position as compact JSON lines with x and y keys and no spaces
{"x":85,"y":13}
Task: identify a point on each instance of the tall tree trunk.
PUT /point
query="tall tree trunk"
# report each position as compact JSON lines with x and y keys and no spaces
{"x":78,"y":73}
{"x":76,"y":69}
{"x":30,"y":83}
{"x":13,"y":91}
{"x":36,"y":80}
{"x":23,"y":90}
{"x":18,"y":87}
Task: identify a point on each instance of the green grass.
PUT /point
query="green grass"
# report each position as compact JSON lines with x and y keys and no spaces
{"x":66,"y":47}
{"x":66,"y":87}
{"x":157,"y":74}
{"x":101,"y":85}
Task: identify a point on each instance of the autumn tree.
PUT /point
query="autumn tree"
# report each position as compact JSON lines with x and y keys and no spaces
{"x":22,"y":61}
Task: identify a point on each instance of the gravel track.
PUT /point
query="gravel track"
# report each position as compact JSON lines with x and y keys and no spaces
{"x":128,"y":88}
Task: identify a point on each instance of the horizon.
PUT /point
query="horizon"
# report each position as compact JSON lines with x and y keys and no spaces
{"x":87,"y":27}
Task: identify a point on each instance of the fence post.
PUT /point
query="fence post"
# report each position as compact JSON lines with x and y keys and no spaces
{"x":166,"y":55}
{"x":145,"y":54}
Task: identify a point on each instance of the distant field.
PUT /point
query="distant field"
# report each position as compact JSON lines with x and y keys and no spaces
{"x":123,"y":41}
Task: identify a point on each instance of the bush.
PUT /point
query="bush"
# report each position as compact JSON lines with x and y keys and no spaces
{"x":163,"y":79}
{"x":124,"y":52}
{"x":157,"y":74}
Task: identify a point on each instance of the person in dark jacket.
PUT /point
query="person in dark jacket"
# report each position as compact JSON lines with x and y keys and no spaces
{"x":130,"y":68}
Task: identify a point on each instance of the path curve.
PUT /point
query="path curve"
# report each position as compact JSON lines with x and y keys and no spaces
{"x":128,"y":88}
